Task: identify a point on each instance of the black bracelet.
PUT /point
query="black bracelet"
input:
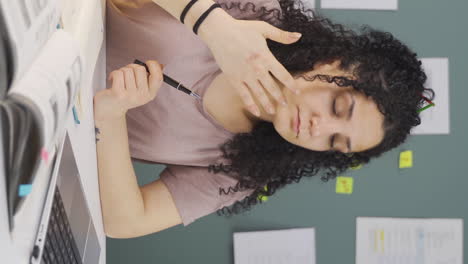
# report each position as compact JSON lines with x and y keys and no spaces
{"x":203,"y":16}
{"x":186,"y":9}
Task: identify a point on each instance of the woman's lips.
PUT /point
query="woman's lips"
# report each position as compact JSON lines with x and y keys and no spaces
{"x":297,"y":123}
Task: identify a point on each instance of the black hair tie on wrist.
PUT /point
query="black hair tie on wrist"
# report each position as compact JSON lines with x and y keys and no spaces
{"x":203,"y":16}
{"x":186,"y":9}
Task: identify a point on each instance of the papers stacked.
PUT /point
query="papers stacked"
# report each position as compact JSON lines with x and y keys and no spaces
{"x":51,"y":83}
{"x":275,"y":247}
{"x":34,"y":115}
{"x":30,"y":24}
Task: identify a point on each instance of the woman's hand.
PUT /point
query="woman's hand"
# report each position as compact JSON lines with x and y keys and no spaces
{"x":241,"y":51}
{"x":131,"y":87}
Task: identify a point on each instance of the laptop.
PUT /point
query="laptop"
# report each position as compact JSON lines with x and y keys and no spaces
{"x":66,"y":232}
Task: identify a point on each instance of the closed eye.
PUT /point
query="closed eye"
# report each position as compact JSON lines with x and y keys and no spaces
{"x":334,"y":107}
{"x":351,"y":107}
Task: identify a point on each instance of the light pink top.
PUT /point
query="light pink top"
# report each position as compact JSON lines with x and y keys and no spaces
{"x":175,"y":129}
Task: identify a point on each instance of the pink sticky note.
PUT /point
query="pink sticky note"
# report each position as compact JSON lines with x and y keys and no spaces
{"x":45,"y":155}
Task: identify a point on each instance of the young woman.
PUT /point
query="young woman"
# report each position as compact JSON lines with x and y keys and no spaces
{"x":358,"y":96}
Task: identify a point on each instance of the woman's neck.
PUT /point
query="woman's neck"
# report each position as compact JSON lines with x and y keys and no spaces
{"x":224,"y":104}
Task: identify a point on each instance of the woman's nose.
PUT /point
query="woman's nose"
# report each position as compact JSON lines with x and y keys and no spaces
{"x":323,"y":126}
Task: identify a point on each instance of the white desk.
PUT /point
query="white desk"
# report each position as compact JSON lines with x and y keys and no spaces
{"x":86,"y":22}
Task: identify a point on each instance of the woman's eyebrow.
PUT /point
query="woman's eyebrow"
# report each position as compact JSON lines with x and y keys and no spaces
{"x":351,"y":108}
{"x":332,"y":141}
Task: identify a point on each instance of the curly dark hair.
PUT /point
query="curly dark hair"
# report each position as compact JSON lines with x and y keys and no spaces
{"x":383,"y":68}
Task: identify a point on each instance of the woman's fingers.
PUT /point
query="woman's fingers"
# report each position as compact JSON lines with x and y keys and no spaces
{"x":260,"y":85}
{"x":280,"y":73}
{"x":155,"y":77}
{"x":141,"y":77}
{"x":130,"y":88}
{"x":247,"y":98}
{"x":129,"y":76}
{"x":259,"y":92}
{"x":272,"y":87}
{"x":118,"y":81}
{"x":278,"y":35}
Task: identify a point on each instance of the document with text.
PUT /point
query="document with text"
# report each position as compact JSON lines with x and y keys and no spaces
{"x":409,"y":240}
{"x":360,"y":4}
{"x":436,"y":119}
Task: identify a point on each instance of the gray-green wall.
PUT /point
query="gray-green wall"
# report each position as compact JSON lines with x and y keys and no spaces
{"x":437,"y":185}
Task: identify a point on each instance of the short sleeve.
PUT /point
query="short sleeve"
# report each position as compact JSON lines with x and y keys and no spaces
{"x":195,"y":191}
{"x":266,"y":10}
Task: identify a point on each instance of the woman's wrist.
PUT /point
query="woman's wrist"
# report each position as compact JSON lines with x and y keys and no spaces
{"x":100,"y":119}
{"x":194,"y":12}
{"x":217,"y":18}
{"x":217,"y":15}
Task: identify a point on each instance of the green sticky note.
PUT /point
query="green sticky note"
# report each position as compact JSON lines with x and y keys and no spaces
{"x":344,"y":185}
{"x":406,"y":159}
{"x":357,"y":167}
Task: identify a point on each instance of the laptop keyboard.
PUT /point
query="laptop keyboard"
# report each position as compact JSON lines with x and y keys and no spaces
{"x":60,"y":246}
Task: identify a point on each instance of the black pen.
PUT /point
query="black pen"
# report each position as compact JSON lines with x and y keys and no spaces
{"x":171,"y":82}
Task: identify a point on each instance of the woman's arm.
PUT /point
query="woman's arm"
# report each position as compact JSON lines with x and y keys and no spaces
{"x":121,"y":199}
{"x":127,"y":209}
{"x":175,"y":7}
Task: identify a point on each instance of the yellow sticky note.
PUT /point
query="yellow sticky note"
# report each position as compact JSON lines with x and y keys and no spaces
{"x":262,"y":197}
{"x":344,"y":185}
{"x":406,"y":159}
{"x":357,"y":167}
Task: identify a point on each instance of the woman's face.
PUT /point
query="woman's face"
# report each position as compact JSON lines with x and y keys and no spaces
{"x":326,"y":117}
